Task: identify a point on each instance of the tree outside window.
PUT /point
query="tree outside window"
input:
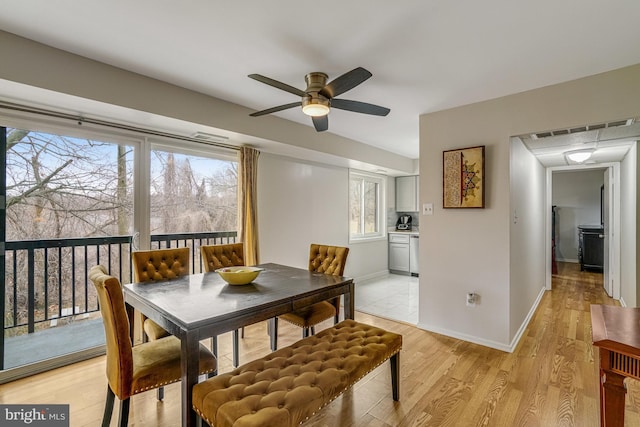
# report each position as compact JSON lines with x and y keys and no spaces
{"x":366,"y":206}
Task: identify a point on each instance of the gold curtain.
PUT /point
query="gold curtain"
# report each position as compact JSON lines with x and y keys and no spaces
{"x":248,"y":203}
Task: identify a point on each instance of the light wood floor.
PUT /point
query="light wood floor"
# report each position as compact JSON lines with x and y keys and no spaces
{"x":551,"y":379}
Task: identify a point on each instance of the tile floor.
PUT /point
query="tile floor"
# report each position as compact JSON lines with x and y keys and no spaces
{"x":393,"y":297}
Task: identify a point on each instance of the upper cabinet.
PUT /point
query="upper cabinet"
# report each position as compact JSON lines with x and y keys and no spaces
{"x":407,"y":193}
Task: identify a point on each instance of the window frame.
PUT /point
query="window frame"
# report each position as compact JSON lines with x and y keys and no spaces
{"x":381,"y":181}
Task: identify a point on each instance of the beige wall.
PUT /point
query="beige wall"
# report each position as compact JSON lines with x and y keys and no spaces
{"x":471,"y":249}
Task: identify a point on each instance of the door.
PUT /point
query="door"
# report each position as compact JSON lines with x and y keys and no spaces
{"x":69,"y":201}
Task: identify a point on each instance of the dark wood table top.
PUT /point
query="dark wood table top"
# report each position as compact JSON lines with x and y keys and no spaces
{"x":616,"y":328}
{"x":192,"y":301}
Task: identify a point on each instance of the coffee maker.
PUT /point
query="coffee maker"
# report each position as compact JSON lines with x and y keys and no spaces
{"x":404,"y":222}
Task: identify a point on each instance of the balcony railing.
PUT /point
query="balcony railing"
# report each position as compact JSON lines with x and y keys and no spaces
{"x":47,"y":280}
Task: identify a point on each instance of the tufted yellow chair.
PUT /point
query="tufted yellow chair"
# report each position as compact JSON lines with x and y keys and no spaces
{"x":219,"y":256}
{"x":155,"y":265}
{"x":134,"y":369}
{"x":322,"y":259}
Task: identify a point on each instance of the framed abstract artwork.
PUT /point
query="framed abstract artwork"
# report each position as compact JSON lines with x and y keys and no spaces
{"x":463,"y":178}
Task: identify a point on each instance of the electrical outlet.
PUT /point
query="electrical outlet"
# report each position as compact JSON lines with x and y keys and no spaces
{"x":427,"y":209}
{"x":471,"y":299}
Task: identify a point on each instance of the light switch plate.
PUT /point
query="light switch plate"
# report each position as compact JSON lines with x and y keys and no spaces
{"x":427,"y":209}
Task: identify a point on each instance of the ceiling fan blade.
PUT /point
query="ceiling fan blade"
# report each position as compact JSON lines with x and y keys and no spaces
{"x":359,"y":107}
{"x":277,"y":84}
{"x":345,"y":82}
{"x":321,"y":123}
{"x":276,"y":109}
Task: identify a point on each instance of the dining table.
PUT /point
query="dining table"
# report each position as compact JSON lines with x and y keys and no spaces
{"x":200,"y":306}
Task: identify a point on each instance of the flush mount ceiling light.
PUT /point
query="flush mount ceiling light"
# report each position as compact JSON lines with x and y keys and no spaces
{"x":578,"y":156}
{"x":315,"y":106}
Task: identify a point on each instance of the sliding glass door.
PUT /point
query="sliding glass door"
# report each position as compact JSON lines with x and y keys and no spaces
{"x":69,"y":206}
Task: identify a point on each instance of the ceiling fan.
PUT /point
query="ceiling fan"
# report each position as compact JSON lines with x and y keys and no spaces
{"x":319,"y":96}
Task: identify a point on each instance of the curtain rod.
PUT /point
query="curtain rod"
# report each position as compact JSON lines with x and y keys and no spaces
{"x":80,"y":120}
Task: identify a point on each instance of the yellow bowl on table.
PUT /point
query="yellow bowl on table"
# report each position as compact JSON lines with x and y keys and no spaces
{"x":239,"y":275}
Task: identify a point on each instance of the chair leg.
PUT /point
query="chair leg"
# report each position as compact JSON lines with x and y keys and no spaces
{"x":124,"y":412}
{"x":236,"y":348}
{"x":273,"y":332}
{"x":313,"y":330}
{"x":305,"y":332}
{"x":242,"y":333}
{"x":160,"y":393}
{"x":395,"y":376}
{"x":108,"y":407}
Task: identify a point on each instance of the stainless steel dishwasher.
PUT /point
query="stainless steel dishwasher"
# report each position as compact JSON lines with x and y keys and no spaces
{"x":413,"y":255}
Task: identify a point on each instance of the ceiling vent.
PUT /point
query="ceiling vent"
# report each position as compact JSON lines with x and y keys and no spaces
{"x":210,"y":137}
{"x":578,"y":129}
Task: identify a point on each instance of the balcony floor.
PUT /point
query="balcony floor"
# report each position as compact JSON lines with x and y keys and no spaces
{"x":53,"y":342}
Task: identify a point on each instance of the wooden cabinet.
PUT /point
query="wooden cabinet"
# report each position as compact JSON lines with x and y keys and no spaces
{"x":591,"y":247}
{"x":407,"y":193}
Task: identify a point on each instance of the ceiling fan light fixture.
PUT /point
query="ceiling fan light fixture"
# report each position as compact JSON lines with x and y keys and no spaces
{"x":315,"y":107}
{"x":579,"y":156}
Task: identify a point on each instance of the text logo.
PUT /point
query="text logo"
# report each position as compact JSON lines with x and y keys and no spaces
{"x":34,"y":415}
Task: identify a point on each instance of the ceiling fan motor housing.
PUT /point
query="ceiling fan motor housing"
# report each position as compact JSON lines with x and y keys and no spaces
{"x":314,"y":104}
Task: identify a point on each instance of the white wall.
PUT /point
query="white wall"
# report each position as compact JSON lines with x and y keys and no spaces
{"x":300,"y":203}
{"x":577,"y":197}
{"x":628,"y":236}
{"x":527,"y":273}
{"x":464,"y":248}
{"x":40,"y":66}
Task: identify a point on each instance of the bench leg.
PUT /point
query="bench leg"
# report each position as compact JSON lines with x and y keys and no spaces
{"x":395,"y":375}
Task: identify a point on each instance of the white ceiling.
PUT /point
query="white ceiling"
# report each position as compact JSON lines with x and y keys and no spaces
{"x":425,"y":55}
{"x":606,"y":142}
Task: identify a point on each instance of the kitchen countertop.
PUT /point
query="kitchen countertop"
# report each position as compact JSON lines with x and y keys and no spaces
{"x":413,"y":231}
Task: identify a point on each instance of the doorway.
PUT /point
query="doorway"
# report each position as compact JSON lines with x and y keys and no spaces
{"x":580,"y":219}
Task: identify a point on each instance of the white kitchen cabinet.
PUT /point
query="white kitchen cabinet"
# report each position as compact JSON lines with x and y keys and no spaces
{"x":413,"y":255}
{"x":399,"y":253}
{"x":407,"y":193}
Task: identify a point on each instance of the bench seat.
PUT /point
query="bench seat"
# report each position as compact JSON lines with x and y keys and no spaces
{"x":288,"y":386}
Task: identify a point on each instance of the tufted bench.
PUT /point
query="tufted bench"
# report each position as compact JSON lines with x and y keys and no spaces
{"x":288,"y":386}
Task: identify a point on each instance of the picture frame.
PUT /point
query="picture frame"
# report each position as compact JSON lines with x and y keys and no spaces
{"x":463,"y":178}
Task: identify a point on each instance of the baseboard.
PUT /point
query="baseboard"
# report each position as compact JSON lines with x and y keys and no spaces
{"x":574,"y":261}
{"x":509,"y":348}
{"x":622,"y":303}
{"x":464,"y":337}
{"x":376,"y":275}
{"x":525,"y":323}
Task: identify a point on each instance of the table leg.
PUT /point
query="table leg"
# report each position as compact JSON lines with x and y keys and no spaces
{"x":189,"y":362}
{"x":130,"y":314}
{"x":612,"y":395}
{"x":349,"y":302}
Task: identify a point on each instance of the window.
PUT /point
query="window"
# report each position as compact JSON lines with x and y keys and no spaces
{"x":192,"y":193}
{"x":366,"y":204}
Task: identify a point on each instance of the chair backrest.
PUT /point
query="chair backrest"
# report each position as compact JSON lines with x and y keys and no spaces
{"x":328,"y":259}
{"x":218,"y":256}
{"x":116,"y":329}
{"x":160,"y":264}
